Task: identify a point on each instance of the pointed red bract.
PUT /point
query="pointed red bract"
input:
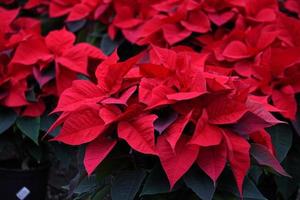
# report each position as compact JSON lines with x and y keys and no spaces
{"x":80,"y":94}
{"x":264,"y":157}
{"x":173,"y":133}
{"x":139,"y":133}
{"x":177,"y":163}
{"x":96,"y":151}
{"x":206,"y":134}
{"x":238,"y":156}
{"x":212,"y":160}
{"x":81,"y":127}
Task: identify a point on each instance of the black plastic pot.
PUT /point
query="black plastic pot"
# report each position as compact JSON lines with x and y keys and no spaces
{"x":27,"y":184}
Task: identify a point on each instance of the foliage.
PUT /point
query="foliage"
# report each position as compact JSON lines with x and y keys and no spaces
{"x":177,"y":99}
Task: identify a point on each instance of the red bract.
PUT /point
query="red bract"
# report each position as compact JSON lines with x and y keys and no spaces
{"x":125,"y":108}
{"x":57,"y":46}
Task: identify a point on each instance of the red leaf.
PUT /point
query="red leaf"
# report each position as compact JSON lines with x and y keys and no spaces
{"x":74,"y":60}
{"x":205,"y":134}
{"x":197,"y":22}
{"x":259,"y":109}
{"x":212,"y":160}
{"x":81,"y":93}
{"x":238,"y":155}
{"x":16,"y":95}
{"x":153,"y":93}
{"x":59,"y":40}
{"x":181,"y":96}
{"x":81,"y":127}
{"x":96,"y":151}
{"x":236,"y":50}
{"x":139,"y":133}
{"x":174,"y":33}
{"x":174,"y":132}
{"x":34,"y":109}
{"x":38,"y":52}
{"x":122,"y":100}
{"x":64,"y":78}
{"x":262,"y":137}
{"x":263,"y":156}
{"x":107,"y":70}
{"x":284,"y":99}
{"x":221,"y":18}
{"x":177,"y":163}
{"x":223,"y":110}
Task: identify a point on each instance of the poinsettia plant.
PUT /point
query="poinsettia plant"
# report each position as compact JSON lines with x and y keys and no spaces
{"x":192,"y":99}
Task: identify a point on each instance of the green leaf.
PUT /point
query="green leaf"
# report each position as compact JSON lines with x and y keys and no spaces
{"x":107,"y":45}
{"x":282,"y":138}
{"x":292,"y":162}
{"x":127,"y":184}
{"x":88,"y":184}
{"x":254,"y":173}
{"x":108,"y":166}
{"x":100,"y":195}
{"x":156,"y":182}
{"x":200,"y":183}
{"x":46,"y":122}
{"x":30,"y":127}
{"x":286,"y":186}
{"x":75,"y":26}
{"x":7,"y":119}
{"x":250,"y":191}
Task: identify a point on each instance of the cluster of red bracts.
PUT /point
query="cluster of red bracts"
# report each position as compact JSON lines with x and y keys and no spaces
{"x":215,"y":101}
{"x":25,"y":55}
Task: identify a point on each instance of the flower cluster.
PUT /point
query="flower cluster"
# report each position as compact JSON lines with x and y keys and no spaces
{"x":34,"y":67}
{"x":202,"y":91}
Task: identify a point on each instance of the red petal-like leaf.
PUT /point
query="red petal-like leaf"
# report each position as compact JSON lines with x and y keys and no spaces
{"x":212,"y":160}
{"x":205,"y":134}
{"x":263,"y":156}
{"x":96,"y":151}
{"x":177,"y":163}
{"x":81,"y":127}
{"x":236,"y":50}
{"x":139,"y":133}
{"x":174,"y":132}
{"x":238,"y":155}
{"x":122,"y":100}
{"x":81,"y":93}
{"x":224,"y":110}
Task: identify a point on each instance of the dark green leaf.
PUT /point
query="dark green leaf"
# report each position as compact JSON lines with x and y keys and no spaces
{"x":46,"y":122}
{"x":200,"y":183}
{"x":7,"y":119}
{"x":75,"y":26}
{"x":292,"y":162}
{"x":282,"y":137}
{"x":30,"y":127}
{"x":30,"y":95}
{"x":107,"y":45}
{"x":156,"y":182}
{"x":296,"y":122}
{"x":250,"y":191}
{"x":100,"y":195}
{"x":127,"y":184}
{"x":108,"y":166}
{"x":88,"y":184}
{"x":286,"y":186}
{"x":254,"y":173}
